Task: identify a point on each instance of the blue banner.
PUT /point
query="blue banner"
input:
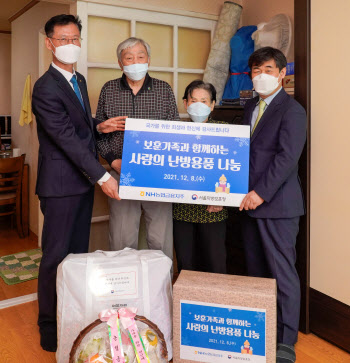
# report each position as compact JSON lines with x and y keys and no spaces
{"x":185,"y":162}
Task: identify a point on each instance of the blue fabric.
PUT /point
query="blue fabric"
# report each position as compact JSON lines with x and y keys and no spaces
{"x":242,"y":46}
{"x":77,"y":90}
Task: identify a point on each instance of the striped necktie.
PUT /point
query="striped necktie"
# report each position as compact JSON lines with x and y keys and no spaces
{"x":77,"y":90}
{"x":262,"y":106}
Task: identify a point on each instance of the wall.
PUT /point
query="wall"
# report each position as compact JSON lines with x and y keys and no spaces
{"x":5,"y":74}
{"x":330,"y":149}
{"x":255,"y":12}
{"x":25,"y":60}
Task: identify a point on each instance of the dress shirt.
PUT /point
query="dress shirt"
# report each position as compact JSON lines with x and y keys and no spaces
{"x":255,"y":113}
{"x":68,"y":76}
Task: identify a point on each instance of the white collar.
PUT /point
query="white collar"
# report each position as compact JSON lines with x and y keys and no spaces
{"x":67,"y":75}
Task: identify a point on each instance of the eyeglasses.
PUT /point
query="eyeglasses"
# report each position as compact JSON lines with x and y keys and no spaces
{"x":65,"y":41}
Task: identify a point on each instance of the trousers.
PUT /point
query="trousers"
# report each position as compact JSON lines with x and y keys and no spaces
{"x":66,"y":230}
{"x":124,"y":224}
{"x":200,"y":246}
{"x":270,"y":252}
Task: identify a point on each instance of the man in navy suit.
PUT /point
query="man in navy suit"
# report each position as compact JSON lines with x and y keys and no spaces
{"x":68,"y":164}
{"x":274,"y":203}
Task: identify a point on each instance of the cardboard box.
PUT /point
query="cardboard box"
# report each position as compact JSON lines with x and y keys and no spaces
{"x":245,"y":95}
{"x":288,"y":81}
{"x":224,"y":318}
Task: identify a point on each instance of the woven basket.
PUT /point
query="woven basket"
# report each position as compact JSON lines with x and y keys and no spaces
{"x":97,"y":322}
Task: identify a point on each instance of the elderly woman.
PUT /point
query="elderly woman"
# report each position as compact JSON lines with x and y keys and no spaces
{"x":199,"y":230}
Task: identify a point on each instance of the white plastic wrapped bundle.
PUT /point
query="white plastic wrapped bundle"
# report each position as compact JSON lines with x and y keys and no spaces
{"x":89,"y":283}
{"x":216,"y":71}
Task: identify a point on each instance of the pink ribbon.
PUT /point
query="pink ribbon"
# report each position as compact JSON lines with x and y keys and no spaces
{"x":112,"y":319}
{"x":107,"y":315}
{"x":127,"y":318}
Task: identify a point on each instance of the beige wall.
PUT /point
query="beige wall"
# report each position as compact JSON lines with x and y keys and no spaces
{"x":255,"y":12}
{"x":330,"y":149}
{"x":5,"y":74}
{"x":25,"y":60}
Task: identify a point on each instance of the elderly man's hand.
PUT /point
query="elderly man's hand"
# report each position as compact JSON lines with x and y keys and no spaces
{"x":251,"y":201}
{"x":110,"y":188}
{"x":117,"y":165}
{"x":112,"y":124}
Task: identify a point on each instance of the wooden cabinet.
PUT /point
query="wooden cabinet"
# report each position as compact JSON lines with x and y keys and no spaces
{"x":230,"y":114}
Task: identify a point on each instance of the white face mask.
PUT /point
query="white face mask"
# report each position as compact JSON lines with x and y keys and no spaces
{"x":265,"y":84}
{"x":198,"y":111}
{"x":67,"y":54}
{"x":136,"y":71}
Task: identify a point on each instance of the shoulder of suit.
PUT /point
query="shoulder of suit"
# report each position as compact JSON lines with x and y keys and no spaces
{"x":45,"y":80}
{"x":294,"y":104}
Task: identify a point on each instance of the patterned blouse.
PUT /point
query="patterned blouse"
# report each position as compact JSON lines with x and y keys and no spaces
{"x":154,"y":101}
{"x":197,"y":213}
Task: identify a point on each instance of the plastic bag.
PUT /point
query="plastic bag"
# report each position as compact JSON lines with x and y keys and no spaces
{"x":95,"y":346}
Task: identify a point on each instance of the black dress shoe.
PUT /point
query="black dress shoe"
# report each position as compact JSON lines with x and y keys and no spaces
{"x":48,"y":348}
{"x":285,"y":353}
{"x":48,"y":340}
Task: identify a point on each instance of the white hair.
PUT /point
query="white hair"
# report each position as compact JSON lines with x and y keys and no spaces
{"x":129,"y":43}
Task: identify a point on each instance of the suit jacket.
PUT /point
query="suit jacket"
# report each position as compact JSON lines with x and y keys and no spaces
{"x":68,"y":161}
{"x":275,"y":149}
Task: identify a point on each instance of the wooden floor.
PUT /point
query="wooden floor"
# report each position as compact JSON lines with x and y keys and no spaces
{"x":19,"y":341}
{"x":19,"y":335}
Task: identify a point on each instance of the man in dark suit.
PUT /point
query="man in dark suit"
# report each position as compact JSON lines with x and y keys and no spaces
{"x":274,"y":203}
{"x":68,"y":164}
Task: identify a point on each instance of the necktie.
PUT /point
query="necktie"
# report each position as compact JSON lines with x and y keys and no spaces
{"x":262,"y":106}
{"x":76,"y":89}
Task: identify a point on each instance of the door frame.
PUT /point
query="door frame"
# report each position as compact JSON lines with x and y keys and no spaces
{"x":302,"y":61}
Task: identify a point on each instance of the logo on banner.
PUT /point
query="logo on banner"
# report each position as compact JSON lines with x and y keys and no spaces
{"x":142,"y":194}
{"x":194,"y":196}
